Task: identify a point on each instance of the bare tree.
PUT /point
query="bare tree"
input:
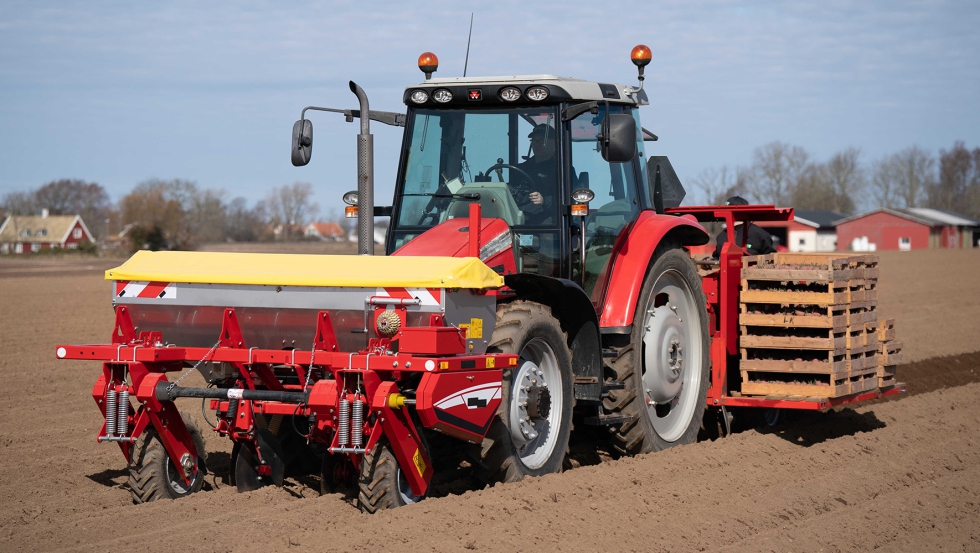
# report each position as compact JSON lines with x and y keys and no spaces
{"x":206,"y":214}
{"x":244,"y":224}
{"x":19,"y":203}
{"x":776,"y":170}
{"x":717,"y":185}
{"x":814,"y":188}
{"x":846,"y":178}
{"x":290,"y":206}
{"x":158,"y":209}
{"x":957,"y":172}
{"x":901,"y":179}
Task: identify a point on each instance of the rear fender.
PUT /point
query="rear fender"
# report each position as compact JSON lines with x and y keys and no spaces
{"x":633,"y":259}
{"x":576,"y":314}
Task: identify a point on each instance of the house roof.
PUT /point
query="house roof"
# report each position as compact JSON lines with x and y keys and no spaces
{"x":327,"y":229}
{"x":53,"y":228}
{"x":895,"y":212}
{"x":821,"y":218}
{"x":942,"y":217}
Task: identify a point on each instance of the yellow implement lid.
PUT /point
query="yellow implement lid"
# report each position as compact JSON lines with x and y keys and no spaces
{"x":353,"y":271}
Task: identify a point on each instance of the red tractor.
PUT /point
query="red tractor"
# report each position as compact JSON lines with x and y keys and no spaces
{"x":537,"y":273}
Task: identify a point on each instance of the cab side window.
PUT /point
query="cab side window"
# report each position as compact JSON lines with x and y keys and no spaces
{"x":615,"y":204}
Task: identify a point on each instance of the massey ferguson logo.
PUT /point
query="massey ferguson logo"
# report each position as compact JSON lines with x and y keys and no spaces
{"x":476,"y":397}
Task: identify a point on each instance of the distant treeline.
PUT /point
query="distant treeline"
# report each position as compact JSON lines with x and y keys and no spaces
{"x":787,"y":175}
{"x":172,"y":214}
{"x":178,"y":214}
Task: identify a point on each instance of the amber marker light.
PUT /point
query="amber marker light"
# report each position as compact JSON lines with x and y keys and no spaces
{"x":428,"y":63}
{"x":350,"y":211}
{"x":641,"y":57}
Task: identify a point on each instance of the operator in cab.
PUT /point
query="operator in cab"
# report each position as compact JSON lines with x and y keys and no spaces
{"x":760,"y":242}
{"x":538,"y":207}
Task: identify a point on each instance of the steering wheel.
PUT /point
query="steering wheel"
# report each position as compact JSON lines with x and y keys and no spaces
{"x":520,"y":191}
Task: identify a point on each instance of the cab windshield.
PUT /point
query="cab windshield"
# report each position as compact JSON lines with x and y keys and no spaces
{"x":504,"y":159}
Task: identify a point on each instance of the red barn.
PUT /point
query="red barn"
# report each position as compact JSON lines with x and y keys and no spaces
{"x":885,"y":229}
{"x":26,"y":234}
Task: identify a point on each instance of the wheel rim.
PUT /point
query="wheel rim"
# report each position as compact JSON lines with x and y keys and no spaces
{"x":404,"y":489}
{"x":176,"y":481}
{"x":671,"y":356}
{"x":536,"y":404}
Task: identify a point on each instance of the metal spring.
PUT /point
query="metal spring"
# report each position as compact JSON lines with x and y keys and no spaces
{"x":110,"y":412}
{"x":343,"y":422}
{"x":357,"y":424}
{"x":122,"y":422}
{"x":232,"y":411}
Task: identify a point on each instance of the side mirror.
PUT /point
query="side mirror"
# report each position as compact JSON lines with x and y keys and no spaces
{"x":618,"y":138}
{"x":302,"y":142}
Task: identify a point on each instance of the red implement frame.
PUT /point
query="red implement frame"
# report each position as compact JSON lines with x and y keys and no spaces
{"x":370,"y":376}
{"x":722,"y":291}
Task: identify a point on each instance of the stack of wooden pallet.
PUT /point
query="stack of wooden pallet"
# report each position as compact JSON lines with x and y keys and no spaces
{"x":889,"y":353}
{"x":809,"y":325}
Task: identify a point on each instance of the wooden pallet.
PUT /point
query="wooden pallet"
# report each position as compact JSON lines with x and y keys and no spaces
{"x":812,"y":267}
{"x":810,"y":361}
{"x":889,"y":353}
{"x":886,"y":330}
{"x":808,"y":385}
{"x":808,"y":325}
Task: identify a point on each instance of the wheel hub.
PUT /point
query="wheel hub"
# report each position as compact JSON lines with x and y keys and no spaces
{"x":538,"y":402}
{"x":533,"y":400}
{"x":664,"y":354}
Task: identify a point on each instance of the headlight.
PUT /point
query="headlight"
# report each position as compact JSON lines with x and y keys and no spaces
{"x":510,"y":94}
{"x":442,"y":96}
{"x":350,"y":198}
{"x":537,"y":93}
{"x":420,"y":96}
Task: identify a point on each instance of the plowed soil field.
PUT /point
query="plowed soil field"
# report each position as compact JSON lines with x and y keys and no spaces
{"x":899,"y":475}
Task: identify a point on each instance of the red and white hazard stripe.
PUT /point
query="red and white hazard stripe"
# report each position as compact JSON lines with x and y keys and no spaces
{"x":431,"y":297}
{"x":137,"y":289}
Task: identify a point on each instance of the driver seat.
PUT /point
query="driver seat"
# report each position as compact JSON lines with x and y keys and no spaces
{"x":495,"y":202}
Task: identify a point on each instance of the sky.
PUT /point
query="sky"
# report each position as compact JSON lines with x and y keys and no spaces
{"x":120,"y":92}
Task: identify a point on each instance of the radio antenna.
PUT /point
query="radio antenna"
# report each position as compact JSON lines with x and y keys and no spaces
{"x":468,"y":38}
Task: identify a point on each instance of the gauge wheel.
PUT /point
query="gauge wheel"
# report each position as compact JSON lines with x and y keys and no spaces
{"x":152,"y":473}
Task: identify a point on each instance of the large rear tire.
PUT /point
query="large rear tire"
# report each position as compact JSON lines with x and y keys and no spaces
{"x":153,"y":475}
{"x":381,"y":482}
{"x":530,"y":435}
{"x":667,"y":367}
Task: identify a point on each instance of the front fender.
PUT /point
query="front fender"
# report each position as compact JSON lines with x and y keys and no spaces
{"x":633,"y":259}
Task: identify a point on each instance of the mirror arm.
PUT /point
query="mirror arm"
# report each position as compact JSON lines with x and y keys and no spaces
{"x":384,"y":117}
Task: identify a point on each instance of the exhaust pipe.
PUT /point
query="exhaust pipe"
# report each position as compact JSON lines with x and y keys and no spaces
{"x":365,"y":177}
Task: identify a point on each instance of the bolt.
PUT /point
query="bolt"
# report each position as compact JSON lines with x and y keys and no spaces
{"x":408,"y":364}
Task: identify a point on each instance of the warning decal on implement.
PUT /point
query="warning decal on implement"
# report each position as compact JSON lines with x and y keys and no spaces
{"x":419,"y":463}
{"x":136,"y":289}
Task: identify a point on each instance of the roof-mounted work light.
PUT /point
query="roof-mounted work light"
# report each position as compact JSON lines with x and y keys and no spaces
{"x":428,"y":63}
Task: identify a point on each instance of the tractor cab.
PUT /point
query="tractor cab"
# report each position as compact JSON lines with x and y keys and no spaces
{"x":554,"y":157}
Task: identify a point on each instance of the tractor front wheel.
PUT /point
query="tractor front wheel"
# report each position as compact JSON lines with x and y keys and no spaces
{"x":530,"y":435}
{"x":666,"y":368}
{"x":152,"y":473}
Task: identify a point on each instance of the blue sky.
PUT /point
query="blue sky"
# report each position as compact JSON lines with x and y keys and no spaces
{"x":119,"y":92}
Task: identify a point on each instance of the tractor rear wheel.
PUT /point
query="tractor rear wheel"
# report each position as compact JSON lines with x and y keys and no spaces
{"x":666,"y":367}
{"x":381,"y":482}
{"x":152,"y":473}
{"x":530,"y":435}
